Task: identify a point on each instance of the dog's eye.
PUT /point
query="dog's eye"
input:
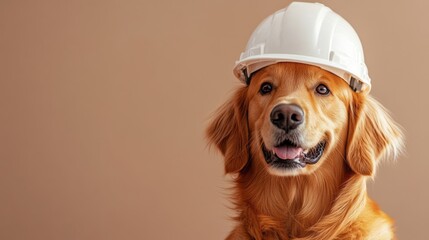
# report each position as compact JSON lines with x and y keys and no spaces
{"x":322,"y":89}
{"x":266,"y":88}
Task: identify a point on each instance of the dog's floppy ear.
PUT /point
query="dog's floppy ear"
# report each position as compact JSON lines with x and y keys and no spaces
{"x":372,"y":135}
{"x":228,"y":131}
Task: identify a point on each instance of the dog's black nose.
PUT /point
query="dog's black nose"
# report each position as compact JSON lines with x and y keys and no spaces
{"x":287,"y":116}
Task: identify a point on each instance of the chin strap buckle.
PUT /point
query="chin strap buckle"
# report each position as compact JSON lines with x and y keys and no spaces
{"x":246,"y":77}
{"x":355,"y":84}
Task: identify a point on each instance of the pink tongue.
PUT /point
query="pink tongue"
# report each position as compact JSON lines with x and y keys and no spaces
{"x":288,"y":152}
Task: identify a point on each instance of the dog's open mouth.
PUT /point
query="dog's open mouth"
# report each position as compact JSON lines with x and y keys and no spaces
{"x":288,"y":155}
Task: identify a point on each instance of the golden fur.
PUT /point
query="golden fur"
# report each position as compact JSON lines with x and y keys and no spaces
{"x":324,"y":201}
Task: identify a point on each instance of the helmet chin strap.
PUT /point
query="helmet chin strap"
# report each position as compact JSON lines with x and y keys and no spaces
{"x":246,"y":77}
{"x":355,"y":84}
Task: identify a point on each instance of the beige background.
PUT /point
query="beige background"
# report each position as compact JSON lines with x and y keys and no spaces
{"x":103,"y":106}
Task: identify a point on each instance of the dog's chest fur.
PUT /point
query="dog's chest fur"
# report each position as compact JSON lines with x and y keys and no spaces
{"x":290,"y":203}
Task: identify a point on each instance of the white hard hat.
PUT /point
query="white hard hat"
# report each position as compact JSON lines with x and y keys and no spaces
{"x":306,"y":33}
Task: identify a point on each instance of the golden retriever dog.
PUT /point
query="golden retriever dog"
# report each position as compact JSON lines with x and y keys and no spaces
{"x":302,"y":144}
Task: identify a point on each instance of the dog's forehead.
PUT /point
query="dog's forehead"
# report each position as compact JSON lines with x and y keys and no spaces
{"x":287,"y":73}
